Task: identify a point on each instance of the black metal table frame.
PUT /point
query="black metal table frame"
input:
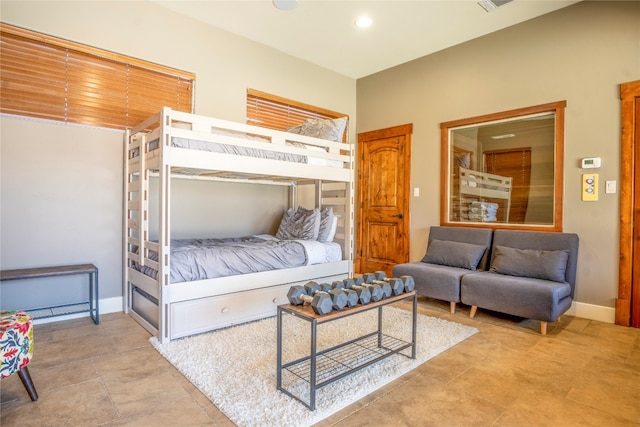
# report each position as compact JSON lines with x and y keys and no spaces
{"x":314,"y":320}
{"x":65,"y":270}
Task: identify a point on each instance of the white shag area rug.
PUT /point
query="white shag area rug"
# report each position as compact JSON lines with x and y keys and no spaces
{"x":236,"y":367}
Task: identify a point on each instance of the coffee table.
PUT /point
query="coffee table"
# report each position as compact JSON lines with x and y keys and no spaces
{"x":322,"y":367}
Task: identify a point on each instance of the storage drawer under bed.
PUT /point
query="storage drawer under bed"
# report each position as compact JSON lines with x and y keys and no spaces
{"x":145,"y":306}
{"x":203,"y":314}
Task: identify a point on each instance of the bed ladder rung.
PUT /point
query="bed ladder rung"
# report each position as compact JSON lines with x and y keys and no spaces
{"x":133,"y":205}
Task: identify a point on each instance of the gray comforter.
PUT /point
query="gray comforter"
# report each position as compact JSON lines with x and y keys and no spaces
{"x":194,"y":144}
{"x":198,"y":259}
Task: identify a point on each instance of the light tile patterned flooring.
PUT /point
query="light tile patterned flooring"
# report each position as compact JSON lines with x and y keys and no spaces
{"x":583,"y":373}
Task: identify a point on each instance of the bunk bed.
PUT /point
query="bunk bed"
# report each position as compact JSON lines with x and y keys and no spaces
{"x":482,"y":195}
{"x":173,"y":144}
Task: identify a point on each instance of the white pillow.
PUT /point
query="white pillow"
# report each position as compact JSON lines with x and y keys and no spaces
{"x":326,"y":222}
{"x":334,"y":227}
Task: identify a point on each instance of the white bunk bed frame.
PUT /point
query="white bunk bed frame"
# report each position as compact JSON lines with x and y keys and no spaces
{"x":174,"y":310}
{"x":483,"y":185}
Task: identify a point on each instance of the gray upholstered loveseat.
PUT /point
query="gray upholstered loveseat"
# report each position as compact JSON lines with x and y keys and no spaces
{"x":530,"y":274}
{"x":452,"y":253}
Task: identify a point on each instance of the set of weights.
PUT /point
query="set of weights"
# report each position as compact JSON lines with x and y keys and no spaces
{"x":370,"y":287}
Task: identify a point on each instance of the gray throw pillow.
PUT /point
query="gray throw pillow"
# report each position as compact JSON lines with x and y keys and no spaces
{"x":454,"y":254}
{"x":537,"y":264}
{"x":300,"y":224}
{"x":331,"y":129}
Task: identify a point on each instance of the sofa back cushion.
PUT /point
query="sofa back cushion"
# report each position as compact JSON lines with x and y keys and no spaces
{"x":535,"y":263}
{"x":454,"y":254}
{"x":474,"y":236}
{"x":541,"y":241}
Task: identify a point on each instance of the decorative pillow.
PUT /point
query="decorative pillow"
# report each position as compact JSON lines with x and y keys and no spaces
{"x":463,"y":160}
{"x":537,"y":264}
{"x":295,"y":129}
{"x":454,"y":254}
{"x":326,"y":222}
{"x":331,"y":129}
{"x":333,"y":229}
{"x":300,"y":224}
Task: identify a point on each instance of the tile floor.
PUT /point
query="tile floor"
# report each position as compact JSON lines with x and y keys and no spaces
{"x":583,"y":373}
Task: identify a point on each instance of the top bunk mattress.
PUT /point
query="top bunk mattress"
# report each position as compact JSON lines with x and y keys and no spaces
{"x":312,"y":150}
{"x":239,"y":150}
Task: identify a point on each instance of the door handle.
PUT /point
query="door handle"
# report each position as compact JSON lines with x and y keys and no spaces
{"x":398,"y":216}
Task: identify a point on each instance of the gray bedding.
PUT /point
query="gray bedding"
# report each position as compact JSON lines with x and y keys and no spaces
{"x":199,"y":259}
{"x":193,"y":144}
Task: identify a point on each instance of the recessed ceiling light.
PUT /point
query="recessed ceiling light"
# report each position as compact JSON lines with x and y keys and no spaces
{"x":285,"y":4}
{"x":503,"y":136}
{"x":363,"y":22}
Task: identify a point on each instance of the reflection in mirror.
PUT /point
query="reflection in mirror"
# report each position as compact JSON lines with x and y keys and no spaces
{"x":504,"y":169}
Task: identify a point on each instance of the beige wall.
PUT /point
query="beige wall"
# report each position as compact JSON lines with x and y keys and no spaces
{"x":61,"y":198}
{"x":579,"y":54}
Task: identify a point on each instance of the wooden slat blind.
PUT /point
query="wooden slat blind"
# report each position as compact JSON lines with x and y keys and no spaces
{"x":55,"y":79}
{"x":274,"y":112}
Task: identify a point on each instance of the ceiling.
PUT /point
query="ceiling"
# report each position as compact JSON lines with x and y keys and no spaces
{"x":323,"y":31}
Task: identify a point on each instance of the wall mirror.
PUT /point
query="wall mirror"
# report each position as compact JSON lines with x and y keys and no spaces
{"x":504,"y":170}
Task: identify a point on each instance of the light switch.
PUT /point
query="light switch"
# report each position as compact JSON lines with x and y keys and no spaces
{"x":416,"y":191}
{"x":610,"y":187}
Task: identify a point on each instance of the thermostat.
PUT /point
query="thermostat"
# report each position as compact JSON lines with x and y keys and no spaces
{"x":591,"y":162}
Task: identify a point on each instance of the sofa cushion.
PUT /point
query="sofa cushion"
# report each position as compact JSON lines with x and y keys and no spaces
{"x":433,"y":280}
{"x":538,"y":264}
{"x":519,"y":296}
{"x":454,"y":254}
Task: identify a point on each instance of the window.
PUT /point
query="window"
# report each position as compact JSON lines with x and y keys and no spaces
{"x":278,"y":113}
{"x":56,"y":79}
{"x":504,"y":170}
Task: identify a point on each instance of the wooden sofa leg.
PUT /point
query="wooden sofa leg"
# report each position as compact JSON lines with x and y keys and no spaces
{"x":452,"y":307}
{"x":472,"y":313}
{"x":543,"y":328}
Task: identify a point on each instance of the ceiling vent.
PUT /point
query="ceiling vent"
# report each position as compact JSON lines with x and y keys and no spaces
{"x":490,"y":5}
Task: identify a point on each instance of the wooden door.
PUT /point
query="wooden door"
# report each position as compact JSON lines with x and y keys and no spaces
{"x":628,"y":301}
{"x":384,"y":171}
{"x":514,"y":163}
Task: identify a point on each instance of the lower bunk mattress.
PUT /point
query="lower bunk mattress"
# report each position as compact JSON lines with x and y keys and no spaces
{"x":200,"y":259}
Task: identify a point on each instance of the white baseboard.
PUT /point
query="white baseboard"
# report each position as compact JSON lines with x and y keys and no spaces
{"x":107,"y":305}
{"x":578,"y":309}
{"x":592,"y":312}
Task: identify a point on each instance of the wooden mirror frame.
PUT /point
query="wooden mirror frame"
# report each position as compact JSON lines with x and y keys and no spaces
{"x":445,"y":129}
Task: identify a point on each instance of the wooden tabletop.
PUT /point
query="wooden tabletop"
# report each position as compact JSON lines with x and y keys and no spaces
{"x":34,"y":273}
{"x":307,"y":312}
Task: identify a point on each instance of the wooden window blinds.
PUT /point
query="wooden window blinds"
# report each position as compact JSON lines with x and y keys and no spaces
{"x":274,"y":112}
{"x":56,"y":79}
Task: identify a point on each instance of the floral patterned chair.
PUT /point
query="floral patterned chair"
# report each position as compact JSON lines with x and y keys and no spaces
{"x":16,"y":340}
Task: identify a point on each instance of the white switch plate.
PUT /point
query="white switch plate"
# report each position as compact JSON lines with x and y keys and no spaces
{"x":416,"y":191}
{"x":610,"y":187}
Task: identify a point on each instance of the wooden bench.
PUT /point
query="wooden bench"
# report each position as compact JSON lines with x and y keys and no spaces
{"x":90,"y":306}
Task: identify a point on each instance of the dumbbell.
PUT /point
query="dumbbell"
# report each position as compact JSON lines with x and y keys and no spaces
{"x":395,"y":286}
{"x":321,"y":302}
{"x":390,"y":286}
{"x":398,"y":285}
{"x":338,"y":298}
{"x":378,"y":278}
{"x":407,"y":281}
{"x":376,"y":291}
{"x":363,"y":294}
